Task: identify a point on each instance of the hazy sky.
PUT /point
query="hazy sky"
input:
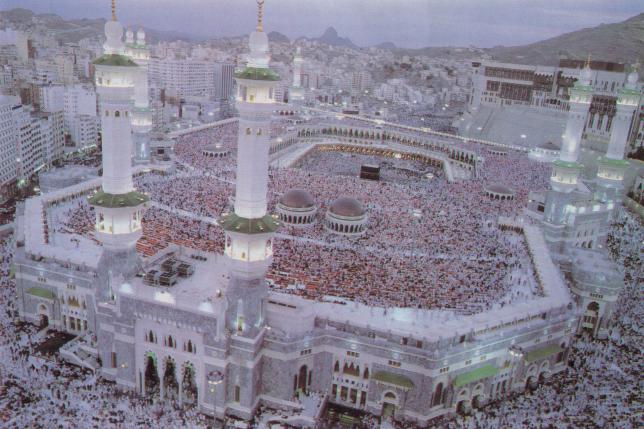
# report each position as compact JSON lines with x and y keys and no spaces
{"x":410,"y":23}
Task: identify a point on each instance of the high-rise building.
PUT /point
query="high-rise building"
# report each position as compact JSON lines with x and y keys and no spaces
{"x":8,"y":145}
{"x":36,"y":137}
{"x":224,"y":82}
{"x":184,"y":77}
{"x":79,"y":111}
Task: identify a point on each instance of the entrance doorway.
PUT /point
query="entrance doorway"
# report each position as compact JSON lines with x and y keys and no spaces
{"x":388,"y":410}
{"x":152,"y":385}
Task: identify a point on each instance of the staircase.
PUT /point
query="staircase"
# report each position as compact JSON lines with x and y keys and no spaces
{"x":81,"y":352}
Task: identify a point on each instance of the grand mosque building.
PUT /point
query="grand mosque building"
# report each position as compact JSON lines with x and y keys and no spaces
{"x":214,"y":336}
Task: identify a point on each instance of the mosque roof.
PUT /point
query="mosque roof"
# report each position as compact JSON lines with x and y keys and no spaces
{"x":399,"y":380}
{"x":114,"y":60}
{"x":348,"y":207}
{"x":498,"y":188}
{"x":477,"y":374}
{"x":535,"y":355}
{"x":297,"y":199}
{"x":254,"y":73}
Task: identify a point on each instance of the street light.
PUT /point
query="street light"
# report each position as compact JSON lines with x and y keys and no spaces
{"x":214,"y":378}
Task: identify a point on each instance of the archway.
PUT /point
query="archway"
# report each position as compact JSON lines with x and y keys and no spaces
{"x":189,"y":384}
{"x":43,"y":316}
{"x":464,"y":407}
{"x":437,"y":399}
{"x":479,"y":401}
{"x":152,"y":385}
{"x":170,"y":384}
{"x":389,"y":402}
{"x":302,"y":378}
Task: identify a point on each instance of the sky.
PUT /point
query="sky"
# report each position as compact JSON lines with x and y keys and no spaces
{"x":407,"y":23}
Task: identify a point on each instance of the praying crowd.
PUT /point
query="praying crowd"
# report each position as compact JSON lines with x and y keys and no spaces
{"x":428,"y":243}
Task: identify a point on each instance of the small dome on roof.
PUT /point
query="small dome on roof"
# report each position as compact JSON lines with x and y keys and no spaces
{"x":347,"y":207}
{"x":498,"y":188}
{"x":549,"y":146}
{"x":140,"y":35}
{"x":297,"y":199}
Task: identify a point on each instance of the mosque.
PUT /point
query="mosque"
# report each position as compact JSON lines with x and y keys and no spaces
{"x":203,"y":328}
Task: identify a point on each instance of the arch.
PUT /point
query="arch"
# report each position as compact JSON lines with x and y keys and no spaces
{"x":593,"y":306}
{"x":437,"y":398}
{"x":189,"y":383}
{"x":170,"y":383}
{"x":479,"y":401}
{"x":152,"y":382}
{"x":43,"y":316}
{"x":302,"y":378}
{"x":117,"y":114}
{"x":464,"y":407}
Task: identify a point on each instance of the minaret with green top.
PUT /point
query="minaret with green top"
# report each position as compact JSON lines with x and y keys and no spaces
{"x":119,"y":207}
{"x":613,"y":166}
{"x":566,"y":170}
{"x":249,"y":230}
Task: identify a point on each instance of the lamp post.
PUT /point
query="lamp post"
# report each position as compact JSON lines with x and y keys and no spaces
{"x":214,"y":378}
{"x":417,"y":214}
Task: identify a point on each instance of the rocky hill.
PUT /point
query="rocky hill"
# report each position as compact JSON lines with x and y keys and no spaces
{"x":71,"y":31}
{"x":619,"y":42}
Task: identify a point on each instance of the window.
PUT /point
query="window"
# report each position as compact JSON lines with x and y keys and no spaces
{"x":237,"y":393}
{"x":419,"y":344}
{"x":305,"y":352}
{"x":113,"y":359}
{"x":394,"y":363}
{"x":117,"y":114}
{"x":444,"y":370}
{"x":468,"y":362}
{"x":353,"y":354}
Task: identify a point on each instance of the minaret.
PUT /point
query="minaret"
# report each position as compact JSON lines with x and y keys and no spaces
{"x":296,"y":93}
{"x":138,"y":52}
{"x":566,"y":170}
{"x":249,"y":230}
{"x":119,"y":208}
{"x":611,"y":168}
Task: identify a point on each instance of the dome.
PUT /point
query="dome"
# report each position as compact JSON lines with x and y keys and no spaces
{"x":297,"y":199}
{"x":347,"y":207}
{"x":129,"y":36}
